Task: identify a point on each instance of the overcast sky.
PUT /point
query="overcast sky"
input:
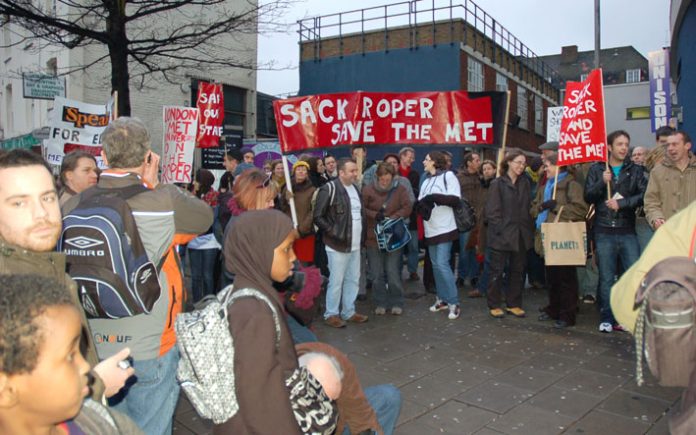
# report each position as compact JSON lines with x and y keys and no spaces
{"x":543,"y":25}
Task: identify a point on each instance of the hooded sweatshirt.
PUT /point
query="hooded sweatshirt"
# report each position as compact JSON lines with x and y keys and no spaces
{"x":260,"y":366}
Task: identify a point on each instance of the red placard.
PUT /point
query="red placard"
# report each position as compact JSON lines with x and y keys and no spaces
{"x":212,"y":113}
{"x":321,"y":121}
{"x":583,"y":136}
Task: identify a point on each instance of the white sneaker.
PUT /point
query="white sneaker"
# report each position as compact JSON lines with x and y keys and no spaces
{"x":454,"y":312}
{"x":439,"y":305}
{"x":605,"y":327}
{"x":396,"y":311}
{"x":380,"y":311}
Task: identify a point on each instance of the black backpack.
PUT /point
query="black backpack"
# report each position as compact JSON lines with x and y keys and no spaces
{"x":666,"y":326}
{"x":106,"y":257}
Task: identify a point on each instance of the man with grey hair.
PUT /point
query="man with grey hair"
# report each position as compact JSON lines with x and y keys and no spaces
{"x":165,"y":216}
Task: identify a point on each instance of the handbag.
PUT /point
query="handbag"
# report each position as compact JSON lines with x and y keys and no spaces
{"x":464,"y":216}
{"x":392,"y":234}
{"x":565,"y":243}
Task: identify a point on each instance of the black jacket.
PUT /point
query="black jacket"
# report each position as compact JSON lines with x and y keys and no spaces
{"x":333,"y":216}
{"x":631,"y":184}
{"x":506,"y":214}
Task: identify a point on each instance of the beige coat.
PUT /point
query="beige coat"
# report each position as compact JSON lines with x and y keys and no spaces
{"x":669,"y":190}
{"x":673,"y":239}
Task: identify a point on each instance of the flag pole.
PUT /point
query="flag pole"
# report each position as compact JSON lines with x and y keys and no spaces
{"x":288,"y":185}
{"x":115,"y":104}
{"x":501,"y":151}
{"x":606,"y":145}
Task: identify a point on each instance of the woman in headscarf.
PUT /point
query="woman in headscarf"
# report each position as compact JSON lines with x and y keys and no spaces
{"x":302,"y":191}
{"x":385,"y":198}
{"x":261,"y":252}
{"x":204,"y":250}
{"x":562,"y":280}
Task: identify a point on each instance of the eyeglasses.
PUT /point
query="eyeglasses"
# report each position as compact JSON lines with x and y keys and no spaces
{"x":519,"y":162}
{"x":265,"y":182}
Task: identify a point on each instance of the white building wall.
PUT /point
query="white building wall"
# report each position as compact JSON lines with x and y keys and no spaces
{"x":617,"y":98}
{"x":94,"y":85}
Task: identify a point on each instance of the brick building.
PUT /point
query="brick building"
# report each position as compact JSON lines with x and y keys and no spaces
{"x":428,"y":46}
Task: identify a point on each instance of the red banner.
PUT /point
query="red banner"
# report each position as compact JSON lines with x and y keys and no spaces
{"x":583,"y":133}
{"x":212,"y":112}
{"x":321,"y":121}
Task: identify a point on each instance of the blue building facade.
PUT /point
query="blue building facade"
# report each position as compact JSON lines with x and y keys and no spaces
{"x":683,"y":62}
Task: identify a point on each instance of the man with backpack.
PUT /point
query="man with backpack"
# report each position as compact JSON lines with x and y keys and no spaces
{"x":664,"y":279}
{"x":30,"y":224}
{"x":164,"y":216}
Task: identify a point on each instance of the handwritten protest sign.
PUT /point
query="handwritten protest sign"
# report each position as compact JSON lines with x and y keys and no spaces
{"x":75,"y":125}
{"x":583,"y":133}
{"x":180,"y":129}
{"x":212,"y":113}
{"x":553,"y":123}
{"x":320,"y":121}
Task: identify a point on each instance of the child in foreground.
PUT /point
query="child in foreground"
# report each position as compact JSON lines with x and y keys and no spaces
{"x":44,"y":378}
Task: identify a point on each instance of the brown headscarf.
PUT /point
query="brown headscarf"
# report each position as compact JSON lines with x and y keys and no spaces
{"x":253,"y":238}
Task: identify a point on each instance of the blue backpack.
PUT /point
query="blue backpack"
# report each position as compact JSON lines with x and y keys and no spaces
{"x":106,"y":257}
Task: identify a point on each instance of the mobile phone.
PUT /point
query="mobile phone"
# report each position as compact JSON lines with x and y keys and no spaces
{"x":124,"y":364}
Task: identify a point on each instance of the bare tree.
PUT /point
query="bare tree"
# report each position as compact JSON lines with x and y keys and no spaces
{"x":148,"y":39}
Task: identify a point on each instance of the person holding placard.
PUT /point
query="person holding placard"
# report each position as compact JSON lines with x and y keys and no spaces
{"x":616,"y":188}
{"x":560,"y":195}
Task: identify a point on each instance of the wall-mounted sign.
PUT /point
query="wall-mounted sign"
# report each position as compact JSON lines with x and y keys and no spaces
{"x":43,"y":86}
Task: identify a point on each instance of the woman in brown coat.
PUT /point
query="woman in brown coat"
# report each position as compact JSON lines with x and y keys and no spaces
{"x":302,"y":191}
{"x":377,"y":208}
{"x":509,"y":233}
{"x":261,"y":243}
{"x":562,"y":280}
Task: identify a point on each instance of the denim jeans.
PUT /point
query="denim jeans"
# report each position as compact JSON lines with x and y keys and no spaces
{"x":300,"y":334}
{"x":611,"y":248}
{"x":386,"y":401}
{"x":202,"y":272}
{"x":412,"y":253}
{"x":467,"y":266}
{"x":386,"y":263}
{"x":644,"y":233}
{"x":344,"y":282}
{"x":444,"y":277}
{"x":150,"y":400}
{"x":482,"y":284}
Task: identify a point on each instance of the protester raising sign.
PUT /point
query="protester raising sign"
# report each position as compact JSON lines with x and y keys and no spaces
{"x":583,"y":133}
{"x":320,"y":121}
{"x":212,"y":112}
{"x":180,"y":128}
{"x":75,"y":125}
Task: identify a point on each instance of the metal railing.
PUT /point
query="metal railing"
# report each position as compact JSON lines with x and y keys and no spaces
{"x":420,"y":15}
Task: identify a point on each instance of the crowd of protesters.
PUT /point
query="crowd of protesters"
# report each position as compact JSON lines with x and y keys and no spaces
{"x":242,"y":234}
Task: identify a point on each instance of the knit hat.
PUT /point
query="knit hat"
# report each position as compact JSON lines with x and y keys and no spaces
{"x":298,"y":164}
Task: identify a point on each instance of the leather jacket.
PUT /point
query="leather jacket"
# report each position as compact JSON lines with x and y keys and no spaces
{"x":332,"y":215}
{"x":630,"y":184}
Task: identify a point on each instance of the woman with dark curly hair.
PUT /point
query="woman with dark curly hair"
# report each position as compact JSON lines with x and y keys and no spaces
{"x":439,"y":194}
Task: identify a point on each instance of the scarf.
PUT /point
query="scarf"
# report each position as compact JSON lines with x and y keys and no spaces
{"x":253,"y":238}
{"x":548,"y":192}
{"x":404,"y":171}
{"x":380,"y":189}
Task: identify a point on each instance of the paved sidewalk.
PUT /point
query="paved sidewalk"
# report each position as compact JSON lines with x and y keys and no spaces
{"x":479,"y":375}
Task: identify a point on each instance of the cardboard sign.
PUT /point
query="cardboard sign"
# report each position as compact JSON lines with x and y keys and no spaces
{"x":371,"y":118}
{"x":554,"y":115}
{"x":660,"y":96}
{"x":583,"y":133}
{"x":75,"y":125}
{"x":212,"y":113}
{"x":180,"y":129}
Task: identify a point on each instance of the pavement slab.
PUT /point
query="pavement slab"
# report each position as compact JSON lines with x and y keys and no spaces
{"x":479,"y":375}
